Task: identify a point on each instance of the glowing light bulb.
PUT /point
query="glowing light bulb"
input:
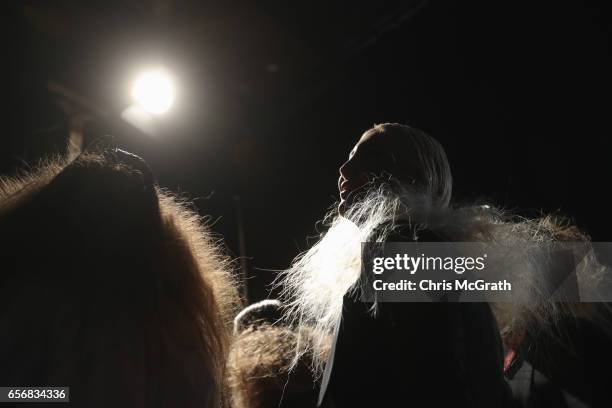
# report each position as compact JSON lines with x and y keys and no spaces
{"x":154,"y":91}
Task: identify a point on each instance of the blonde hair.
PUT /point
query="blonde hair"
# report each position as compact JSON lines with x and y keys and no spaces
{"x":418,"y":160}
{"x":314,"y":286}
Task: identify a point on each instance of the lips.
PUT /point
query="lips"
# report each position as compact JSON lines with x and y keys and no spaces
{"x":345,"y":189}
{"x":348,"y":187}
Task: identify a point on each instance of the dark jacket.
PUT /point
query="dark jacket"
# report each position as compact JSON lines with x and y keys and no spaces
{"x":565,"y":366}
{"x":415,"y":354}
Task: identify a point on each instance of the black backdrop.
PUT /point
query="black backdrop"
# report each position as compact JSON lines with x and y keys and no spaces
{"x":273,"y":95}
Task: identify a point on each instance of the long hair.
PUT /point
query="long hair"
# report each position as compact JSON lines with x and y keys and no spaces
{"x":418,"y":161}
{"x":314,"y":286}
{"x":111,"y":286}
{"x":316,"y":282}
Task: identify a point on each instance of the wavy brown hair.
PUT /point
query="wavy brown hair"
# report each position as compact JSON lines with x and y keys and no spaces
{"x":111,"y":286}
{"x":263,"y":372}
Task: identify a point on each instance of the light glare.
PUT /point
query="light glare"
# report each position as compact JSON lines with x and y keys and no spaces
{"x":154,"y":91}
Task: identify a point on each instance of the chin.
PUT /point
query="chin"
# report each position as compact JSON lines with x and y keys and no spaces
{"x":342,"y":207}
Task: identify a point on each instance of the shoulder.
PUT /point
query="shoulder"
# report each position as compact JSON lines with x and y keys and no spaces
{"x":403,"y":231}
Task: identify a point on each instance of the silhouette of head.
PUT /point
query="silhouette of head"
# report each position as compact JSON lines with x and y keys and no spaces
{"x":400,"y":152}
{"x":110,"y":286}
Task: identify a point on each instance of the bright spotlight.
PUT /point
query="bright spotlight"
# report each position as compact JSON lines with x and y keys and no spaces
{"x":154,"y":91}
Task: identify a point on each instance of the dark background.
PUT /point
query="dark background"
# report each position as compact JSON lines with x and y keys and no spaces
{"x":273,"y":94}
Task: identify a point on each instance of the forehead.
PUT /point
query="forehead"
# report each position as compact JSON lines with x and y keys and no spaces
{"x":369,"y":135}
{"x":373,"y":140}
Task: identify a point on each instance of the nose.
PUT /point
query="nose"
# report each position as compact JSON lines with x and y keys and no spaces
{"x":343,"y":169}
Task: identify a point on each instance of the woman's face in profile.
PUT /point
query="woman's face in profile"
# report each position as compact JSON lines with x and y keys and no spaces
{"x":368,"y":158}
{"x":375,"y":154}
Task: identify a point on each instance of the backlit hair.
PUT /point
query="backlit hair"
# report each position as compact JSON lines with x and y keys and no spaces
{"x":413,"y":150}
{"x":263,"y":371}
{"x":315,"y":284}
{"x":111,"y":286}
